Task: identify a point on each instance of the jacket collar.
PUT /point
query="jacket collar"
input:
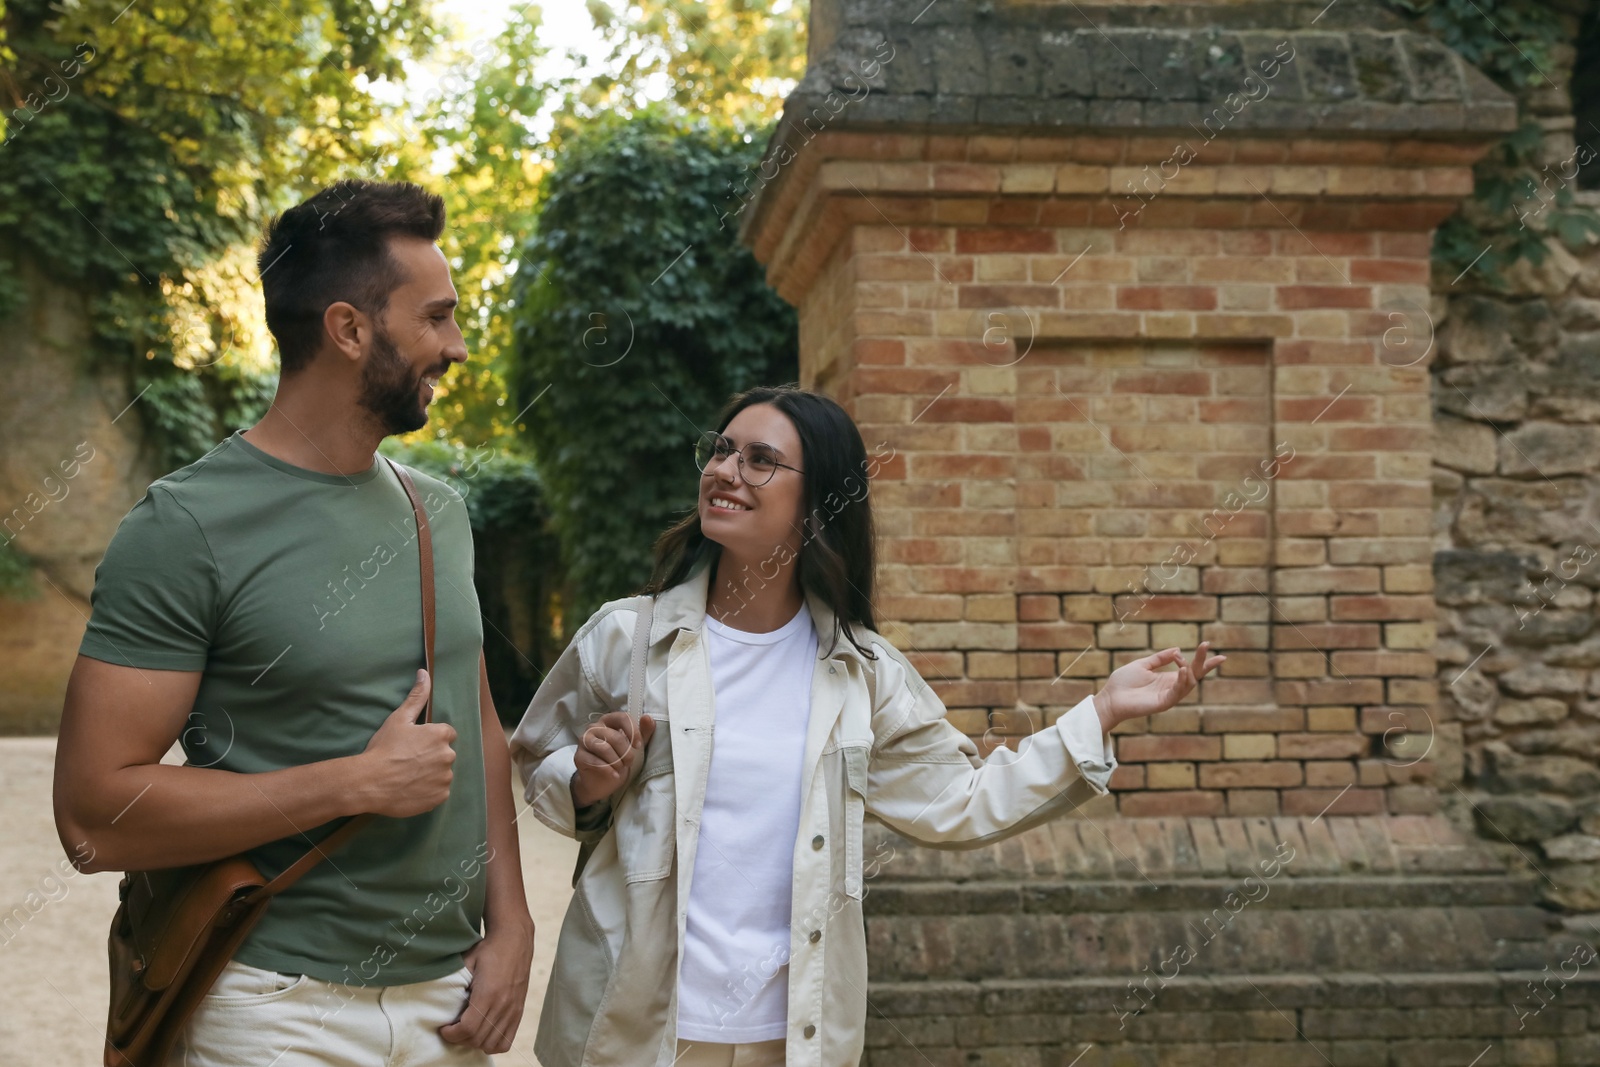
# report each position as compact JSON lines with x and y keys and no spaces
{"x":683,"y":607}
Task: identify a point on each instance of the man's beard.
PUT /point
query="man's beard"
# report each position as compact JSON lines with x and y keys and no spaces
{"x":389,"y":390}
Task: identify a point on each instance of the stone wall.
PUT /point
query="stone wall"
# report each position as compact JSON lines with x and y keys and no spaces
{"x":72,"y":463}
{"x":1516,"y":395}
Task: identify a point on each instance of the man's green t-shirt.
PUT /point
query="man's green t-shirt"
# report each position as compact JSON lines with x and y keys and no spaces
{"x":298,"y":595}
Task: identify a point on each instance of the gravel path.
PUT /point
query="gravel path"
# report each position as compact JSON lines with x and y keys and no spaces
{"x":53,"y":923}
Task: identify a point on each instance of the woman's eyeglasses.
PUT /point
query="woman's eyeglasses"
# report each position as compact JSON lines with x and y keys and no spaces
{"x":758,"y":462}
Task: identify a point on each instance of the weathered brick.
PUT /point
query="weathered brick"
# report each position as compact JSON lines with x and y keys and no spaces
{"x":1316,"y":746}
{"x":1380,"y":607}
{"x":1251,"y":773}
{"x":1005,"y":510}
{"x":1167,"y":297}
{"x":1169,"y":775}
{"x":1173,"y":802}
{"x":980,"y":242}
{"x":1169,"y":747}
{"x":1351,"y":801}
{"x":1250,"y":746}
{"x":1330,"y":773}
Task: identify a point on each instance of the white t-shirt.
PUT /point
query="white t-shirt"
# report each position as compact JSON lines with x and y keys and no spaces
{"x":733,"y":982}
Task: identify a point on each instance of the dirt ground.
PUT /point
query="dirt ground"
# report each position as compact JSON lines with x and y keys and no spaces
{"x":53,"y":967}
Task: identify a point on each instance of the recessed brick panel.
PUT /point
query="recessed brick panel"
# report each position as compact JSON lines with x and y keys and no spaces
{"x":1175,"y":431}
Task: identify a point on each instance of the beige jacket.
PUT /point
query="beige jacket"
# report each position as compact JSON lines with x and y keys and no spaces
{"x":878,"y":744}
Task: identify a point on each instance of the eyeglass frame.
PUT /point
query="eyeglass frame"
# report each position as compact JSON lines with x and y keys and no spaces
{"x":704,"y":434}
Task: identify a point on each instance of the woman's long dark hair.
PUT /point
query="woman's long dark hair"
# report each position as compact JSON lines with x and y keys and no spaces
{"x":838,"y":549}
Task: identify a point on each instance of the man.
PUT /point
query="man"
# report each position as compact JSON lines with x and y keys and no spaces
{"x":262,"y":606}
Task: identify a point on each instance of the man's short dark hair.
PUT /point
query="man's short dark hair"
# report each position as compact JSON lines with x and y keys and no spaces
{"x":333,"y":247}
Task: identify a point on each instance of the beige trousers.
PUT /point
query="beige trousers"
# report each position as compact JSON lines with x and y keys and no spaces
{"x":748,"y":1054}
{"x":263,"y":1018}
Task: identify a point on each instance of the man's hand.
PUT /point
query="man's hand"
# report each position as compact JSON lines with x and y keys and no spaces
{"x":1139,"y":688}
{"x":406,"y":765}
{"x":604,"y":755}
{"x":498,"y":993}
{"x":119,"y":808}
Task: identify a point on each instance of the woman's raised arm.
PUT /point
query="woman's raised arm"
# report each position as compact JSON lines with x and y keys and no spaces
{"x":927,"y":782}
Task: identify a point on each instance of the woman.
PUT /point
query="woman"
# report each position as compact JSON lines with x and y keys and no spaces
{"x":717,"y":915}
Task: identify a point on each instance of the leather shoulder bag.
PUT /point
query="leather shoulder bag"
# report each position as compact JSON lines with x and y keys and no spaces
{"x":176,"y":928}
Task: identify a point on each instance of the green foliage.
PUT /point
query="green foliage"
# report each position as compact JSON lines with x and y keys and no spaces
{"x":502,"y":488}
{"x":16,"y":573}
{"x":187,"y":413}
{"x":517,"y":573}
{"x":637,"y":314}
{"x":1518,"y":206}
{"x":731,"y":60}
{"x":1510,"y":40}
{"x":483,"y":114}
{"x":144,"y":142}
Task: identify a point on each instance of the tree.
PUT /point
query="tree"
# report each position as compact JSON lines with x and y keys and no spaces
{"x":729,"y":62}
{"x":145,"y":144}
{"x":482,"y":120}
{"x":637,"y":314}
{"x":732,"y":60}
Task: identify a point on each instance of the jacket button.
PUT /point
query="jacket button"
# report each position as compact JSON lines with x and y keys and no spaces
{"x":816,"y":935}
{"x":810,"y":1031}
{"x":832,"y":670}
{"x":816,"y":843}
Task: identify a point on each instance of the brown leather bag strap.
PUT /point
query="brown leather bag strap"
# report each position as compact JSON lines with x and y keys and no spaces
{"x":334,"y":841}
{"x":425,"y":551}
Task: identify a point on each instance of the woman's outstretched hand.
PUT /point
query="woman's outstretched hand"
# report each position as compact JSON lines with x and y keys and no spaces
{"x":1142,"y":688}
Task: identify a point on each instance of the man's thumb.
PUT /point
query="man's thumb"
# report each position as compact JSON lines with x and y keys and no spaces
{"x":647,"y":728}
{"x":418,"y":695}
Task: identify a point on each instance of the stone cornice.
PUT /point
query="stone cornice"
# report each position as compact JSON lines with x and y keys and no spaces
{"x":1082,"y":79}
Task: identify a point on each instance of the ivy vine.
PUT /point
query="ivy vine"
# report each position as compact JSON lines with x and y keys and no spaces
{"x":1518,"y":206}
{"x":141,"y":146}
{"x":637,"y":313}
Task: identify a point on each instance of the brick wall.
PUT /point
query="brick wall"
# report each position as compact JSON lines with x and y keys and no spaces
{"x":1117,"y":432}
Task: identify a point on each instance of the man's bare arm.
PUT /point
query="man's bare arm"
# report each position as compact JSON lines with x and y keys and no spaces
{"x":118,"y":807}
{"x":505,"y":901}
{"x":501,"y":961}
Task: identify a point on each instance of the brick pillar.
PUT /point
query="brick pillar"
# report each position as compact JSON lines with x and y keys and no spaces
{"x":1153,"y":371}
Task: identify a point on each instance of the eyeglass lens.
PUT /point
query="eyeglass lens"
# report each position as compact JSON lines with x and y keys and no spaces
{"x":757,"y":458}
